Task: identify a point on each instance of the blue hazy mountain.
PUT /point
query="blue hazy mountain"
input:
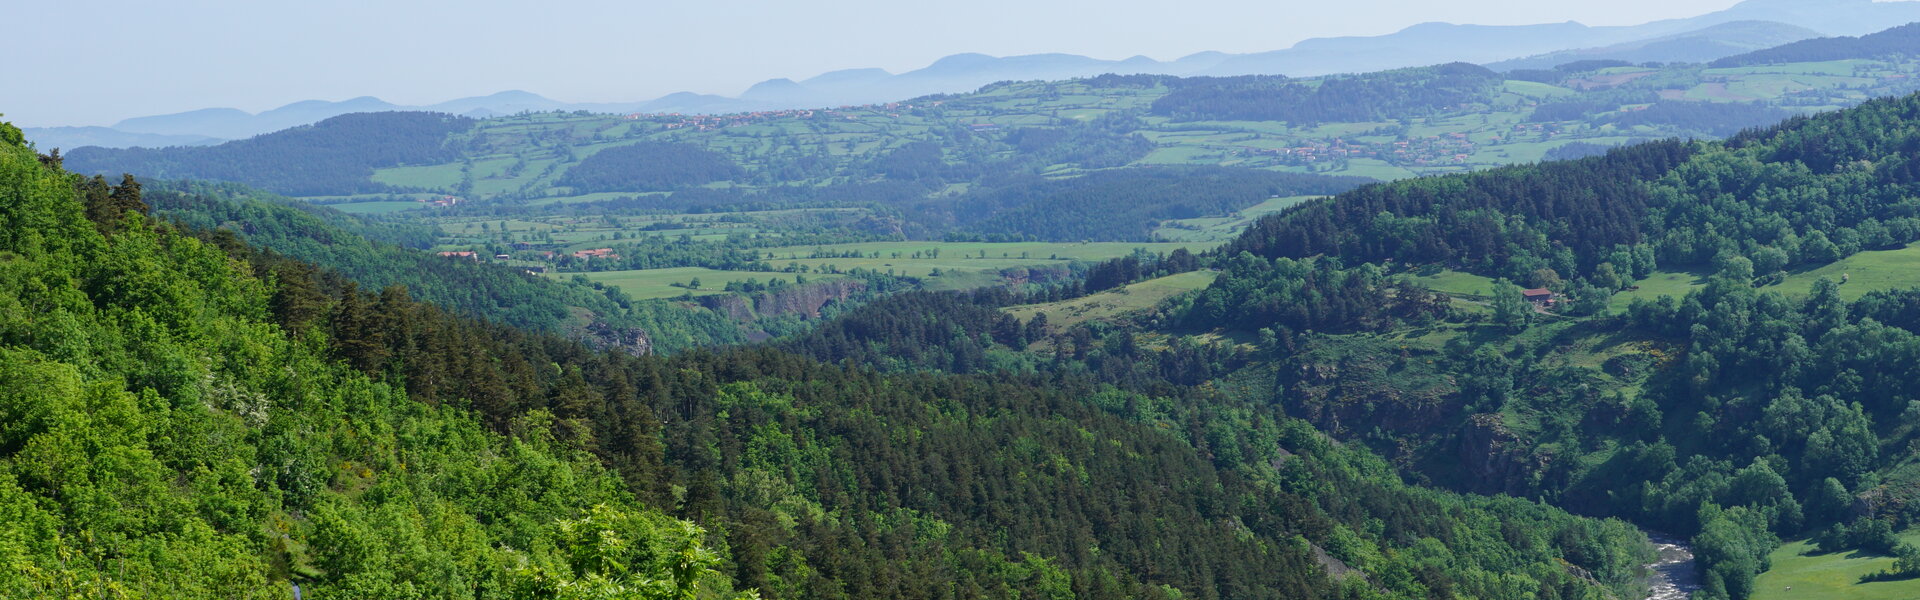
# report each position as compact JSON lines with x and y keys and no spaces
{"x":1705,"y":45}
{"x":1750,"y":25}
{"x":47,"y":138}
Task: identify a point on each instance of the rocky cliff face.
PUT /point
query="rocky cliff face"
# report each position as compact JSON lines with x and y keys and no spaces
{"x":631,"y":341}
{"x":1498,"y":460}
{"x":805,"y":299}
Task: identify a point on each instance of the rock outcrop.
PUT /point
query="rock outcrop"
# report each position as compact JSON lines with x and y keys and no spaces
{"x":804,"y":299}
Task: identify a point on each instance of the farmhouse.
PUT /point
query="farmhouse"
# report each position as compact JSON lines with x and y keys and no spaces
{"x":466,"y":255}
{"x":1538,"y":296}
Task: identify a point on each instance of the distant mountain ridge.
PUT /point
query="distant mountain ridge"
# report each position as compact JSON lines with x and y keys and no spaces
{"x":1748,"y":26}
{"x":1705,"y":45}
{"x":1902,"y":40}
{"x":74,"y":137}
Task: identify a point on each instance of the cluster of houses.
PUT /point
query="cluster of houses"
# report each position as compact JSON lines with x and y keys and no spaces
{"x":469,"y":255}
{"x":476,"y":257}
{"x":1454,"y":148}
{"x":600,"y":253}
{"x":711,"y":122}
{"x":439,"y":202}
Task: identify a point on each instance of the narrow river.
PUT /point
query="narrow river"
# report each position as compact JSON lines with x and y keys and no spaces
{"x":1672,"y":577}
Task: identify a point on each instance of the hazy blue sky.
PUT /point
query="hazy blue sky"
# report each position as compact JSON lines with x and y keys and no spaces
{"x":93,"y":62}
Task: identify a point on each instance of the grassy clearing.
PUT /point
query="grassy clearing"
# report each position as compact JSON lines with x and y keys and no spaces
{"x":653,"y":284}
{"x":1796,"y":574}
{"x":430,"y":177}
{"x":1454,"y":282}
{"x":1661,"y":283}
{"x":1113,"y":303}
{"x":1220,"y":229}
{"x":1864,"y":273}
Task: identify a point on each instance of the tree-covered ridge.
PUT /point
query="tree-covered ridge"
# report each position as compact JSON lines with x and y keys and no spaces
{"x":1357,"y":98}
{"x":162,"y":437}
{"x":1561,"y":215}
{"x":1902,"y":40}
{"x":202,"y":420}
{"x":335,"y":156}
{"x":1733,"y":415}
{"x":1121,"y":204}
{"x":1809,"y":191}
{"x":649,"y":167}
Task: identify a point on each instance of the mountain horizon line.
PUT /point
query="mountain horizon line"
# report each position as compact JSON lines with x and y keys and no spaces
{"x":1747,"y":26}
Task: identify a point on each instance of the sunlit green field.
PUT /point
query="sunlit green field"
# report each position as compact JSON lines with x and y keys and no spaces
{"x":1219,"y":229}
{"x":1862,"y":274}
{"x":1455,"y":282}
{"x":1796,"y":575}
{"x":1112,"y":303}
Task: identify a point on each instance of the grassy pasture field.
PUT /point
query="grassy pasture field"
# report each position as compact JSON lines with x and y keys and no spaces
{"x":652,"y":284}
{"x":1455,"y":282}
{"x":432,"y":177}
{"x":1220,"y":229}
{"x":1113,"y":303}
{"x":1798,"y":574}
{"x":1864,"y":273}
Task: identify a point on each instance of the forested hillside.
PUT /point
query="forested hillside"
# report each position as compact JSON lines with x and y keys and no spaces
{"x":649,"y":167}
{"x":1758,"y":401}
{"x":1898,"y":41}
{"x":1732,"y":414}
{"x":161,"y":436}
{"x":335,"y":156}
{"x":1122,"y":204}
{"x":193,"y":419}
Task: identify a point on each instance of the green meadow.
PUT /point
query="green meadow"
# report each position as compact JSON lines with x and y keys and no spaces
{"x":1113,"y":303}
{"x":1799,"y":573}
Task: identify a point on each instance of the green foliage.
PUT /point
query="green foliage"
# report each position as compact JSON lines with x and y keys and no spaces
{"x":1125,"y":204}
{"x":162,"y":437}
{"x":1510,"y":309}
{"x":1733,"y":546}
{"x":649,"y":166}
